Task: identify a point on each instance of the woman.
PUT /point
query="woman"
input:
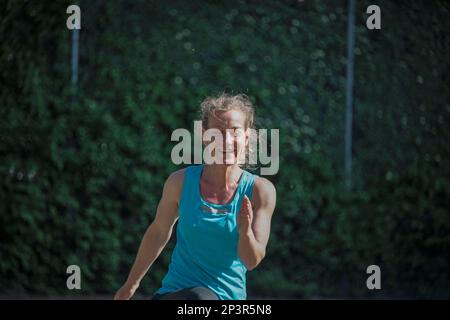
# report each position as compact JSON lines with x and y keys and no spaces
{"x":223,"y":212}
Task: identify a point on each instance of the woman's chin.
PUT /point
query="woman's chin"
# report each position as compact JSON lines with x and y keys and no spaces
{"x":229,"y":159}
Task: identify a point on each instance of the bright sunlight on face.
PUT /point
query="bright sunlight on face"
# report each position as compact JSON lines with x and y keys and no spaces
{"x":231,"y":124}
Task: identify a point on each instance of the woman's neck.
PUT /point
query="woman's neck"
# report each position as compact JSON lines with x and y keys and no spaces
{"x":221,"y":176}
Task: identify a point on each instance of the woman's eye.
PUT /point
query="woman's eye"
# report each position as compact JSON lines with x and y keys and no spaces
{"x":233,"y":132}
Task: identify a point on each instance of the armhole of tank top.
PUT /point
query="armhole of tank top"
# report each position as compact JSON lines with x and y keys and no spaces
{"x":250,"y":185}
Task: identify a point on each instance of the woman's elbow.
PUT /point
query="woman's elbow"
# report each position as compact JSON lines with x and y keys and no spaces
{"x":253,"y":263}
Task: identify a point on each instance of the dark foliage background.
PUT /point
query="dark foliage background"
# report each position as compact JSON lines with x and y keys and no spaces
{"x":82,"y":168}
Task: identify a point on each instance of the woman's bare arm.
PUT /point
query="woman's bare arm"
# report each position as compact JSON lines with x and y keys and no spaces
{"x":254,"y":222}
{"x":156,"y":236}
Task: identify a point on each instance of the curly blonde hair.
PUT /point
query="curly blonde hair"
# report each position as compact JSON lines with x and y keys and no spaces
{"x":226,"y":102}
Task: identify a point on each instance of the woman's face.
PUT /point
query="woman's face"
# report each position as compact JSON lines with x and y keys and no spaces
{"x":231,"y":124}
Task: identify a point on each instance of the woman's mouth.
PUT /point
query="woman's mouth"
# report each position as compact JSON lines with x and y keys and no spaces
{"x":226,"y":150}
{"x":229,"y":151}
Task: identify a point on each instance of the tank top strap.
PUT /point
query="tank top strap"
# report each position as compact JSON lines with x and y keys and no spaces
{"x":188,"y":194}
{"x":246,"y":188}
{"x":249,"y":183}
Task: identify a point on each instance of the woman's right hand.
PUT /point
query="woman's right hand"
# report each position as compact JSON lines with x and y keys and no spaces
{"x":126,"y":292}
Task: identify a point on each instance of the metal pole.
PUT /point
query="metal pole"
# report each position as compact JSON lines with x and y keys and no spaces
{"x":75,"y":43}
{"x":349,"y":95}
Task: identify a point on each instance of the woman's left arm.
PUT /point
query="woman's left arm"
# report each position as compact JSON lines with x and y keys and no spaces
{"x":254,"y":222}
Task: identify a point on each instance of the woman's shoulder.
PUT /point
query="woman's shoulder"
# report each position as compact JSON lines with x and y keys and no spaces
{"x":264,"y":195}
{"x":176,"y":178}
{"x":173,"y":185}
{"x":181,"y":183}
{"x":263,"y":187}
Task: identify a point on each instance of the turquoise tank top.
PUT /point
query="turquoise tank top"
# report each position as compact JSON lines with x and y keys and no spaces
{"x":206,"y":251}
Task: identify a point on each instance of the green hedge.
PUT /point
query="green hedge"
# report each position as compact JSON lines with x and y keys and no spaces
{"x":83,"y":168}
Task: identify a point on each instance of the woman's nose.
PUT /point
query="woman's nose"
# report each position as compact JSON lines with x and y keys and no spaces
{"x":229,"y":138}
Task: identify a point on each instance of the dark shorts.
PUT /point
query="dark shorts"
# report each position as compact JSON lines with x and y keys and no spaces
{"x":195,"y":293}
